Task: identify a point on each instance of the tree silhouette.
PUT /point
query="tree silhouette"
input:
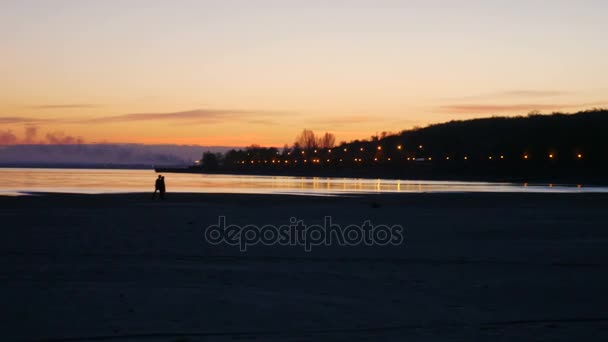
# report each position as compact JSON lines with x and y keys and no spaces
{"x":210,"y":161}
{"x":307,"y":140}
{"x":328,"y":140}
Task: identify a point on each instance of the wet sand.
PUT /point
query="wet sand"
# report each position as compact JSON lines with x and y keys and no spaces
{"x":492,"y":267}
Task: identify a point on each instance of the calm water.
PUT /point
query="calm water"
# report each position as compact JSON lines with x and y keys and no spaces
{"x":15,"y":181}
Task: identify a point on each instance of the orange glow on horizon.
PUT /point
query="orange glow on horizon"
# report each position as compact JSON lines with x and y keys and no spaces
{"x":202,"y":73}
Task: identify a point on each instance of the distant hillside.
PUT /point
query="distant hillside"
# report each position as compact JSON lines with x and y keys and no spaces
{"x":560,"y":147}
{"x":565,"y":136}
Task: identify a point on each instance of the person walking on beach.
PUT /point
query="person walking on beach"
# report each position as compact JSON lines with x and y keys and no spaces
{"x":157,"y":186}
{"x":162,"y":188}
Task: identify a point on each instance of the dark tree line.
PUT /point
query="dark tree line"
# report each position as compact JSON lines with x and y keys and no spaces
{"x":306,"y":142}
{"x":557,"y":139}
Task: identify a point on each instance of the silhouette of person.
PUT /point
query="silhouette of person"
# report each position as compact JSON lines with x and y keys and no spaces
{"x":157,"y":186}
{"x":162,"y":188}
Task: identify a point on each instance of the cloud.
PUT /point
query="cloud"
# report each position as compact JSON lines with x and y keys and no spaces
{"x":533,"y":93}
{"x":59,"y":138}
{"x":522,"y":94}
{"x":345,"y":120}
{"x":7,"y":138}
{"x":489,"y":108}
{"x":473,"y":108}
{"x":190,"y":116}
{"x":265,"y":122}
{"x":30,"y":136}
{"x":64,"y":106}
{"x":19,"y":119}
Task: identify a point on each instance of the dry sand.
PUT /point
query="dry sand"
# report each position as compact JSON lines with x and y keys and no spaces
{"x":490,"y":267}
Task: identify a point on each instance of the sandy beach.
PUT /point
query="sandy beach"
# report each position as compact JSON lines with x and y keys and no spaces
{"x":489,"y":267}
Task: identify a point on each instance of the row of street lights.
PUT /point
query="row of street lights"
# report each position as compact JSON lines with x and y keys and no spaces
{"x":376,"y":159}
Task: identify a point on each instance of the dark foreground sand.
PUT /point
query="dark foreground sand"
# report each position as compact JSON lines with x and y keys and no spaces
{"x":489,"y":267}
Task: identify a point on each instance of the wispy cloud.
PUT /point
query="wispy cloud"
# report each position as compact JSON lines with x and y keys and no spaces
{"x":190,"y":116}
{"x":515,"y":94}
{"x":64,"y":106}
{"x":7,"y":138}
{"x":19,"y":120}
{"x":264,"y":122}
{"x":31,"y":136}
{"x":489,"y":108}
{"x":533,"y":93}
{"x":344,"y":120}
{"x":472,"y":108}
{"x":60,"y":138}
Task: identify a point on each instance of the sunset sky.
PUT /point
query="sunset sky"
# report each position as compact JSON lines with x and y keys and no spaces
{"x":234,"y":73}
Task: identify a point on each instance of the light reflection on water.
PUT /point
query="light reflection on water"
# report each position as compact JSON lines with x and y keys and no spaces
{"x":14,"y":181}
